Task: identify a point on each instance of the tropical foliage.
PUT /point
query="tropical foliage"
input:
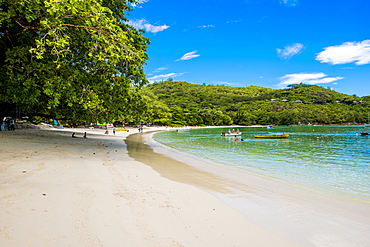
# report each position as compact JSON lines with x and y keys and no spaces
{"x":189,"y":104}
{"x":71,"y":59}
{"x":80,"y":60}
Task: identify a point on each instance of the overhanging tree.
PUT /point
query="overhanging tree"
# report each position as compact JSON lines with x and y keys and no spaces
{"x":73,"y":59}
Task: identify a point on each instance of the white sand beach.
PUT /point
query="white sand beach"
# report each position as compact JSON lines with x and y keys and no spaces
{"x":56,"y":190}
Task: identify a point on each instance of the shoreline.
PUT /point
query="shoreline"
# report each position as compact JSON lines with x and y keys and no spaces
{"x":325,"y":219}
{"x":57,"y":190}
{"x":346,"y":197}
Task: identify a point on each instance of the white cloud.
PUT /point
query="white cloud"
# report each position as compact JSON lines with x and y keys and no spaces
{"x":234,"y":21}
{"x":222,"y":83}
{"x":164,"y":76}
{"x":144,"y":24}
{"x":157,"y":70}
{"x":290,"y":50}
{"x":206,"y":26}
{"x":307,"y":78}
{"x":188,"y":56}
{"x":136,"y":4}
{"x":160,"y":69}
{"x":349,"y":52}
{"x":290,"y":3}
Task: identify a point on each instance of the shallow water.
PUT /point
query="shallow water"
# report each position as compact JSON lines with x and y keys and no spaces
{"x":330,"y":160}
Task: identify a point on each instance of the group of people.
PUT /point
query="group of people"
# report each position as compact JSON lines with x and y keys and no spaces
{"x":236,"y":139}
{"x":112,"y":126}
{"x":8,"y":123}
{"x":233,"y":131}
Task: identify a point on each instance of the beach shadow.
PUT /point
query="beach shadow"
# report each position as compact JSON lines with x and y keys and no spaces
{"x":178,"y":171}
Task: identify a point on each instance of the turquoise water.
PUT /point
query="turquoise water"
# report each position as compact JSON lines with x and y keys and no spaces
{"x":332,"y":160}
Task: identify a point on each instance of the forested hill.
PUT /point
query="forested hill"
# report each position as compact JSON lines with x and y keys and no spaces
{"x":181,"y":103}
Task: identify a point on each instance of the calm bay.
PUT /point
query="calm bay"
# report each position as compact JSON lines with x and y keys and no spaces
{"x":331,"y":160}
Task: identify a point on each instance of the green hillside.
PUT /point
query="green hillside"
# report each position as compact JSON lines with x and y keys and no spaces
{"x":181,"y":103}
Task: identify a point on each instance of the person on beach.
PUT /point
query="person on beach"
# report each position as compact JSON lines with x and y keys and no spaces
{"x":3,"y":125}
{"x":11,"y":124}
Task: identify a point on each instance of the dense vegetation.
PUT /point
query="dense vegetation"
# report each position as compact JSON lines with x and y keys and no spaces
{"x":181,"y":103}
{"x":79,"y":60}
{"x":70,"y":59}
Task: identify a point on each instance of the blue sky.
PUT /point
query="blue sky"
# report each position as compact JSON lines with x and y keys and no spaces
{"x":267,"y":43}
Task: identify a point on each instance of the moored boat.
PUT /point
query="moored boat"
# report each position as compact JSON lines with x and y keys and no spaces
{"x":231,"y":133}
{"x":272,"y":135}
{"x":365,"y":133}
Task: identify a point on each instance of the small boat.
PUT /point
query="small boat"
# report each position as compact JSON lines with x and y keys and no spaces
{"x":231,"y":133}
{"x":365,"y":133}
{"x":272,"y":135}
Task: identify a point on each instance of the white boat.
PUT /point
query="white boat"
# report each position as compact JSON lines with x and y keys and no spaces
{"x":231,"y":133}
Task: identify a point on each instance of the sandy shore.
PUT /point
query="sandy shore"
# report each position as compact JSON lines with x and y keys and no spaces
{"x":300,"y":215}
{"x":57,"y":190}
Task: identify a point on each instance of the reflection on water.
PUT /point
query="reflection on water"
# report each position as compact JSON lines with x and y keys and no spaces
{"x":330,"y":159}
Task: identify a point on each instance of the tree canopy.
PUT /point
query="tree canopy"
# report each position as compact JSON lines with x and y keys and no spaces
{"x":72,"y":59}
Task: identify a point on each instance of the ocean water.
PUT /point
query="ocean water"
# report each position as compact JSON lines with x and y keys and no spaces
{"x":327,"y":159}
